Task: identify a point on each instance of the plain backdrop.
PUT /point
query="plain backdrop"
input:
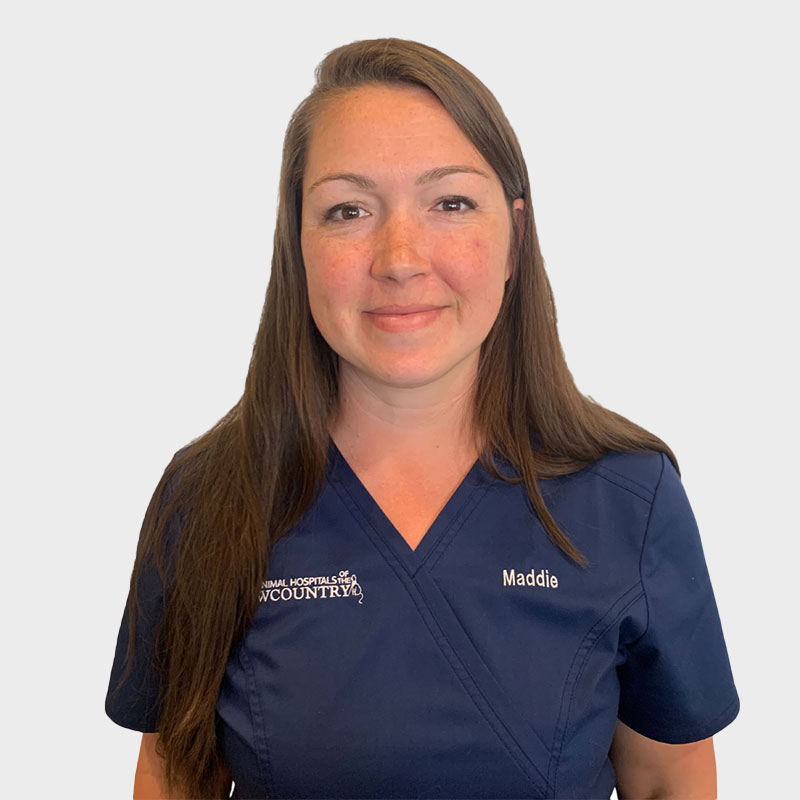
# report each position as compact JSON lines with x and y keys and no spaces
{"x":139,"y":165}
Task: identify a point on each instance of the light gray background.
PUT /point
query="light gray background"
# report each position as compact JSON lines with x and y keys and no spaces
{"x":138,"y":181}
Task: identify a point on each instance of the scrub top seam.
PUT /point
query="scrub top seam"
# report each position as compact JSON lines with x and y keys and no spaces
{"x":451,"y":654}
{"x":477,"y":651}
{"x":458,"y":522}
{"x":590,"y":640}
{"x":257,"y":721}
{"x":622,"y":482}
{"x":641,"y":552}
{"x":363,"y":520}
{"x":452,"y":658}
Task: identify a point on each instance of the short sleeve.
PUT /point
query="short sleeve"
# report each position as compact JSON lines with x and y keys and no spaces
{"x":133,"y":703}
{"x":676,"y":684}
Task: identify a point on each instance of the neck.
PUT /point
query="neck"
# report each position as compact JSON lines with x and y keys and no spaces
{"x":404,"y":423}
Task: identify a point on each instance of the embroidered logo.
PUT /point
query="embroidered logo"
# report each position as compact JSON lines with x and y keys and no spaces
{"x":318,"y":587}
{"x":541,"y":578}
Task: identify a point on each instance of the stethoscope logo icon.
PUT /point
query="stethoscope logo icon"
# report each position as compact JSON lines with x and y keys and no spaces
{"x":352,"y":580}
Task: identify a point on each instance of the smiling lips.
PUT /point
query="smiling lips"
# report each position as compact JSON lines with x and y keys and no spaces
{"x":395,"y":319}
{"x":392,"y":309}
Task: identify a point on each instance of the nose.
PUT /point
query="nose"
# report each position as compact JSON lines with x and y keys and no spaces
{"x":399,"y":247}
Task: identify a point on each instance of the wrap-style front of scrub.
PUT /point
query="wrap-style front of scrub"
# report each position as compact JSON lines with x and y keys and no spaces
{"x":482,"y":664}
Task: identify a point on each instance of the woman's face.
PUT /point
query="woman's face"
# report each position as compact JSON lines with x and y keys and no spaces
{"x":399,"y":208}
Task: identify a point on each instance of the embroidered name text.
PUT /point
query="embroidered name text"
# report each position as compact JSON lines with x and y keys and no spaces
{"x":541,"y":578}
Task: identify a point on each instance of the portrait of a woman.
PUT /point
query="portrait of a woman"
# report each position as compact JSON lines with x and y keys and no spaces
{"x":414,"y":560}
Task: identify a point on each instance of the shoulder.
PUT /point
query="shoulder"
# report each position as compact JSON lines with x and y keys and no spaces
{"x":175,"y":470}
{"x":636,"y":472}
{"x":606,"y":506}
{"x":618,"y":477}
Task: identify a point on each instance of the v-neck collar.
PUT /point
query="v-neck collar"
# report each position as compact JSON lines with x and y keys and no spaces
{"x":446,"y":525}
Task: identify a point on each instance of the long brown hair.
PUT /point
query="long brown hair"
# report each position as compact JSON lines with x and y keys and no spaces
{"x":248,"y":480}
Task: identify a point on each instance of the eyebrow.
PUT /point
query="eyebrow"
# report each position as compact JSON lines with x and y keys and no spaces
{"x":429,"y":176}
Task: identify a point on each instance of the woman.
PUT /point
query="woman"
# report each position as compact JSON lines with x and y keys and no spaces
{"x":414,"y":560}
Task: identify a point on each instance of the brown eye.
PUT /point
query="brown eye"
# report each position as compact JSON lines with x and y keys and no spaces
{"x":450,"y":205}
{"x":349,"y":212}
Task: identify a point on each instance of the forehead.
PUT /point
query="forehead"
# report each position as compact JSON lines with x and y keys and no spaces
{"x":387,"y":130}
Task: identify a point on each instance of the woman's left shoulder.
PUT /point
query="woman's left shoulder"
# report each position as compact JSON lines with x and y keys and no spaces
{"x":638,"y":471}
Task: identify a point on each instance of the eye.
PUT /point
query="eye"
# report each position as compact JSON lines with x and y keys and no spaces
{"x":350,"y":211}
{"x":347,"y":209}
{"x":449,"y":202}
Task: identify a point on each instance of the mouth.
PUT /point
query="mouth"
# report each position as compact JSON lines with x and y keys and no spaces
{"x":410,"y":309}
{"x":406,"y":320}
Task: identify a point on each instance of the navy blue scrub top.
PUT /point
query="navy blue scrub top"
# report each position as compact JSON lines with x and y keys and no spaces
{"x":483,"y":664}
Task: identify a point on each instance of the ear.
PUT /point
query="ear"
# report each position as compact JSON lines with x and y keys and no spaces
{"x":518,"y":210}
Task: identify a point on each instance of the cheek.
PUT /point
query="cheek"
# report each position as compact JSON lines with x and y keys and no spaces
{"x":474,"y":264}
{"x":332,"y":274}
{"x":491,"y":248}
